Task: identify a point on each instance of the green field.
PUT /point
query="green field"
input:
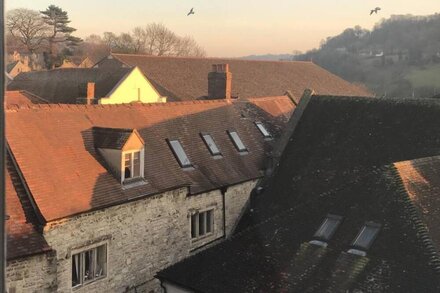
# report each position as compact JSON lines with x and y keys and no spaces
{"x":428,"y":77}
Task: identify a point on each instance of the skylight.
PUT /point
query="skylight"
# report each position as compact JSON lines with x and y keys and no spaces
{"x":328,"y":227}
{"x":209,"y":141}
{"x":263,"y":130}
{"x":366,"y":236}
{"x":180,"y":154}
{"x":237,"y":141}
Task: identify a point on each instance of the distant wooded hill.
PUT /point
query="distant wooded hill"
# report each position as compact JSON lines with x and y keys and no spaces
{"x":400,"y":57}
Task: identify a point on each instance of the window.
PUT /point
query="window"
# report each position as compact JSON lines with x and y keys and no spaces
{"x":263,"y":130}
{"x":209,"y":141}
{"x":202,"y":223}
{"x":366,"y":236}
{"x":180,"y":154}
{"x":89,"y":265}
{"x":132,"y":165}
{"x":237,"y":141}
{"x":328,"y":227}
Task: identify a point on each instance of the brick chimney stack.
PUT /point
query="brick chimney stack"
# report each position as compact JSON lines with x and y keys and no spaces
{"x":220,"y":82}
{"x":90,"y":93}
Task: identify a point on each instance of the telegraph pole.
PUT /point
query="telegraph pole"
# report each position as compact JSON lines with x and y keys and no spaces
{"x":2,"y":151}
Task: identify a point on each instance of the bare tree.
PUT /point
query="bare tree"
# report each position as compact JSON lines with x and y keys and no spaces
{"x":28,"y":27}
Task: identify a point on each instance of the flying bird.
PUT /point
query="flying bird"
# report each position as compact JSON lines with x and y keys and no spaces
{"x":375,"y":10}
{"x":190,"y":12}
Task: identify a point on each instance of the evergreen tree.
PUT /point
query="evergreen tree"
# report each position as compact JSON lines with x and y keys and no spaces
{"x":60,"y":32}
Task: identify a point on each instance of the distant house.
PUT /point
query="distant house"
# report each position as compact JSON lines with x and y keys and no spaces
{"x":352,"y":207}
{"x":68,"y":64}
{"x":89,"y":85}
{"x":101,"y":197}
{"x":8,"y":78}
{"x":184,"y":78}
{"x":87,"y":62}
{"x":16,"y":67}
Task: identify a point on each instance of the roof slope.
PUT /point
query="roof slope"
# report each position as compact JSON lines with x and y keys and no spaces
{"x":65,"y":85}
{"x":54,"y":144}
{"x":23,"y":239}
{"x":330,"y":166}
{"x":181,"y":78}
{"x":22,"y":98}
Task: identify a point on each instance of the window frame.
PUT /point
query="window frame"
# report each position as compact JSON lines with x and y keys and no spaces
{"x":170,"y":144}
{"x":328,"y":217}
{"x":197,"y":233}
{"x":81,"y":253}
{"x":262,"y":128}
{"x":370,"y":243}
{"x":234,"y":142}
{"x":141,"y":165}
{"x":217,"y":154}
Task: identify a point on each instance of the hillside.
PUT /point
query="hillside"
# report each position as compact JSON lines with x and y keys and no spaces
{"x":399,"y":57}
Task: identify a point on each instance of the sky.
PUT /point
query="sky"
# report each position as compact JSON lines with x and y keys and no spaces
{"x":234,"y":28}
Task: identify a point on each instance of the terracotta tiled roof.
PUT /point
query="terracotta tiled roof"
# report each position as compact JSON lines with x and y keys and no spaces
{"x":54,"y":148}
{"x":65,"y":85}
{"x":187,"y":78}
{"x":23,"y":239}
{"x":22,"y":98}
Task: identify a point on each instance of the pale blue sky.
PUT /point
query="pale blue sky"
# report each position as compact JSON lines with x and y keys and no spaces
{"x":234,"y":27}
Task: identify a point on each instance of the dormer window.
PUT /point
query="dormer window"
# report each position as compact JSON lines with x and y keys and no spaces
{"x":123,"y":151}
{"x":263,"y":130}
{"x":239,"y":145}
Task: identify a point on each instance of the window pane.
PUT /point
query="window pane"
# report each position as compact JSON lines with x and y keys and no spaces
{"x":127,"y":166}
{"x":237,"y":141}
{"x":194,"y":223}
{"x":136,"y":164}
{"x":262,"y":129}
{"x":88,"y":265}
{"x":211,"y":144}
{"x":180,"y":153}
{"x":76,"y":270}
{"x":328,"y":227}
{"x":202,"y":221}
{"x":101,"y":261}
{"x":209,"y":221}
{"x":367,"y":236}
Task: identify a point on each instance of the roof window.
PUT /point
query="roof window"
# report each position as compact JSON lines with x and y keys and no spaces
{"x":180,"y":154}
{"x":365,"y":238}
{"x":210,"y":143}
{"x":237,"y":141}
{"x":326,"y":230}
{"x":263,"y":130}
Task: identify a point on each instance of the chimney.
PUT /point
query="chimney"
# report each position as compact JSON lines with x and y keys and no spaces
{"x":220,"y":82}
{"x":90,"y":93}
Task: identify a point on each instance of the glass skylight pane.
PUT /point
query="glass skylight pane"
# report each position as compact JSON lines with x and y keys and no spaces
{"x":328,"y":227}
{"x":237,"y":141}
{"x":180,"y":154}
{"x":366,"y":236}
{"x":211,"y":144}
{"x":262,"y":129}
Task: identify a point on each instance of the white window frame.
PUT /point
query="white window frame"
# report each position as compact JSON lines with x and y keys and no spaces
{"x":141,"y":164}
{"x":81,"y":253}
{"x":197,"y":213}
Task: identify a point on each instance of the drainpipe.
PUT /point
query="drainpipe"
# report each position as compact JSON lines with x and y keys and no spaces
{"x":223,"y":190}
{"x":2,"y":154}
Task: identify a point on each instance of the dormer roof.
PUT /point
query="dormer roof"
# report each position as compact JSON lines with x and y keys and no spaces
{"x":116,"y":138}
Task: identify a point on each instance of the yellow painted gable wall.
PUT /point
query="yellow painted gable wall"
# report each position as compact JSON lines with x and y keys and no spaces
{"x":127,"y":90}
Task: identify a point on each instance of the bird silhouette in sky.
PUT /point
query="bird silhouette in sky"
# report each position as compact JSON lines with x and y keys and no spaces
{"x":375,"y":10}
{"x":190,"y":12}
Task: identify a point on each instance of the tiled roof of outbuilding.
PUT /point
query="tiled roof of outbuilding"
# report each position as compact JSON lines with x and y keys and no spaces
{"x":186,"y":78}
{"x":332,"y":165}
{"x":22,"y":98}
{"x":54,"y":148}
{"x":65,"y":85}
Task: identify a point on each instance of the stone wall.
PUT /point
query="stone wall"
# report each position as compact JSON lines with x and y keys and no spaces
{"x":32,"y":274}
{"x":142,"y":237}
